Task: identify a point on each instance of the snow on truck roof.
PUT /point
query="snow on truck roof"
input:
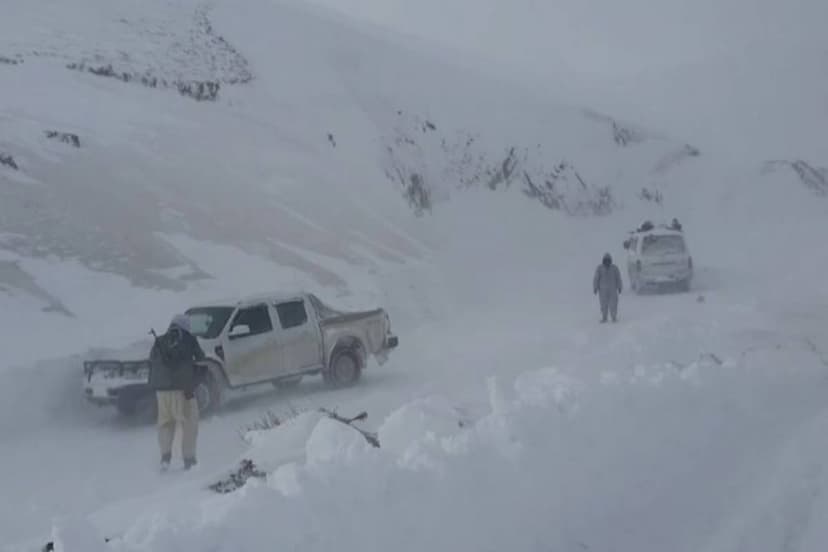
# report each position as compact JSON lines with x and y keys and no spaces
{"x":250,"y":299}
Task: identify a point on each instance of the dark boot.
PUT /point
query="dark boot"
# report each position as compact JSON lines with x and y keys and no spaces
{"x":189,"y":463}
{"x":165,"y":461}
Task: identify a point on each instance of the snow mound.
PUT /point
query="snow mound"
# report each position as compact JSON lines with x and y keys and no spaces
{"x":529,"y":474}
{"x":272,"y":448}
{"x":333,"y":442}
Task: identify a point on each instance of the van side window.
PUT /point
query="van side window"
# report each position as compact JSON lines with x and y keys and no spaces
{"x":292,"y":314}
{"x":256,"y":318}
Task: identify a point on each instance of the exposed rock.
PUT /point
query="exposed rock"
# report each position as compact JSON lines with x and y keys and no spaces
{"x":675,"y":158}
{"x":8,"y":161}
{"x":65,"y":137}
{"x":564,"y":189}
{"x":199,"y":90}
{"x":653,"y":196}
{"x":414,"y":187}
{"x":503,"y":173}
{"x":10,"y":61}
{"x":218,"y":63}
{"x":814,"y":178}
{"x":622,"y":134}
{"x":423,"y":164}
{"x":225,"y":58}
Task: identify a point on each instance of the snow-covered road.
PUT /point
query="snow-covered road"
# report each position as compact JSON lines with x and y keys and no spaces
{"x":693,"y":404}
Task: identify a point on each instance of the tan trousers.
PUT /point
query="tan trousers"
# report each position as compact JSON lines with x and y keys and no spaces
{"x":174,"y":409}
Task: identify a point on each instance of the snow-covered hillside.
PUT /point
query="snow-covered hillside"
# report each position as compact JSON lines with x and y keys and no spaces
{"x":159,"y":153}
{"x":319,"y":141}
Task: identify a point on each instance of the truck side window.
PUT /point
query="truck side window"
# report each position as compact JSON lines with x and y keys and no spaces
{"x":292,"y":314}
{"x":256,"y":318}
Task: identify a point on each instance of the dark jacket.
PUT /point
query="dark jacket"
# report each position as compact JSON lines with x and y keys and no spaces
{"x":172,"y":361}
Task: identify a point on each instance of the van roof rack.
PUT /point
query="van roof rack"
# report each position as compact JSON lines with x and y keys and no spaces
{"x":647,"y":226}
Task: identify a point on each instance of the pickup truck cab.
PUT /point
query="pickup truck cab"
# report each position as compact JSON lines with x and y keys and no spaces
{"x":270,"y":338}
{"x":658,"y":256}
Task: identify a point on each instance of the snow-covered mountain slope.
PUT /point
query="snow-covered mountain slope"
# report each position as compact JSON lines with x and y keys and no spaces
{"x":742,"y":77}
{"x":374,"y":168}
{"x":321,"y":138}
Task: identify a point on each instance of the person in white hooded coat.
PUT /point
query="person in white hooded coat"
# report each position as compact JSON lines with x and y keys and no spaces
{"x":607,"y":285}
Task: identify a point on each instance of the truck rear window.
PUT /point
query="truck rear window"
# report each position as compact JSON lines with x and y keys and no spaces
{"x":292,"y":314}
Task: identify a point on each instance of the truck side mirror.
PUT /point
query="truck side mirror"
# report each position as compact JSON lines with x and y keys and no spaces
{"x":626,"y":244}
{"x":239,"y":331}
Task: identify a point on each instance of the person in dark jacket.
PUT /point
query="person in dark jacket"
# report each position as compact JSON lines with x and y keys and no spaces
{"x":606,"y":284}
{"x":173,"y":377}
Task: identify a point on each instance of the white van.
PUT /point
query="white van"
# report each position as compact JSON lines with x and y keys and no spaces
{"x":658,"y":257}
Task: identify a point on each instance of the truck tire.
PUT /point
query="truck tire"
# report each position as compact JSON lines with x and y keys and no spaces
{"x":345,"y":367}
{"x":126,"y":407}
{"x":143,"y":408}
{"x":208,"y":393}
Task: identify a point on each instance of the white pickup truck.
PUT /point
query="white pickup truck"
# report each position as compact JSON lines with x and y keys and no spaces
{"x":275,"y":339}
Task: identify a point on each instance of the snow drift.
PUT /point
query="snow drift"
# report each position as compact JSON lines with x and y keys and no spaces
{"x":563,"y":460}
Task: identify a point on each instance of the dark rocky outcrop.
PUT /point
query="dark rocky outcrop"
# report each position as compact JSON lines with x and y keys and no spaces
{"x":813,"y":178}
{"x":64,"y":137}
{"x":6,"y":160}
{"x":420,"y":164}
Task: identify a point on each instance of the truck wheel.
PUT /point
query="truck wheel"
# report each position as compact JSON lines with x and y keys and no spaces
{"x":287,"y":383}
{"x":345,"y":368}
{"x":126,"y":407}
{"x":208,"y":393}
{"x":142,"y":408}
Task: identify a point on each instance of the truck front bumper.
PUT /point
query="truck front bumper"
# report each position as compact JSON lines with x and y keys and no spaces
{"x":391,"y":342}
{"x":112,"y":387}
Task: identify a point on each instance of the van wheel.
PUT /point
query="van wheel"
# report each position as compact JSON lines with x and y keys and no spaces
{"x":345,"y":368}
{"x":634,"y":285}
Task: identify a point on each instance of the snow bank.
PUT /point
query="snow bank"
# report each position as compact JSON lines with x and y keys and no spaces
{"x":562,"y":461}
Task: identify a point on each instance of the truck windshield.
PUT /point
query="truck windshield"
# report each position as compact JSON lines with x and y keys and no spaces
{"x":663,"y":245}
{"x":207,"y":322}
